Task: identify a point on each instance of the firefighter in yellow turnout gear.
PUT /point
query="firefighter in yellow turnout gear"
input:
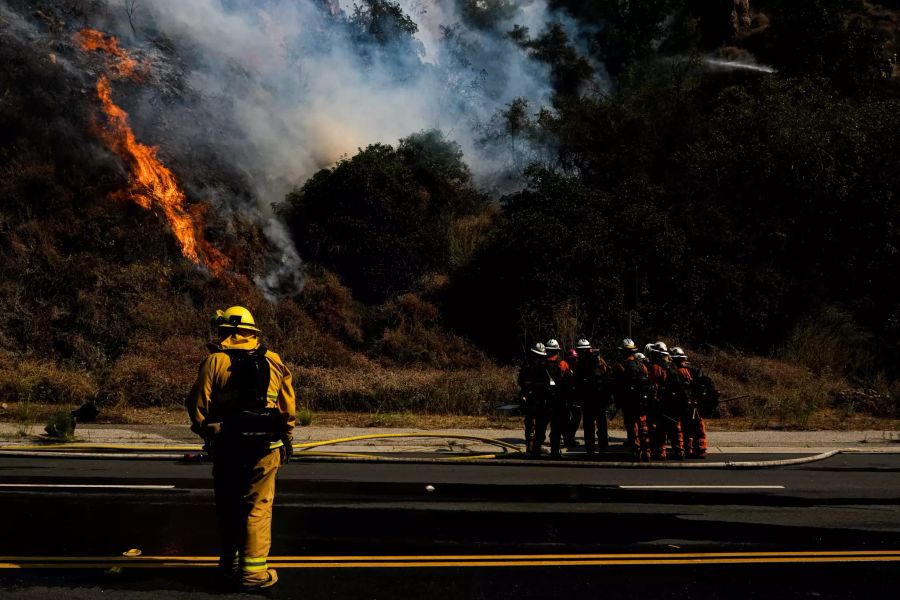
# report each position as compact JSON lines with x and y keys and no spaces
{"x":243,"y":406}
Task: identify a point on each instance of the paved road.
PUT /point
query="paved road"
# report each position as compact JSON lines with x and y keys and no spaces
{"x":535,"y":518}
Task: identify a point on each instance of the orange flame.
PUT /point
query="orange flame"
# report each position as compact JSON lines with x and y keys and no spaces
{"x":152,"y":183}
{"x":92,"y":40}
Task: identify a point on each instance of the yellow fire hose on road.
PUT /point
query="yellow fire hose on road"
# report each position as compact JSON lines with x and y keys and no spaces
{"x":101,"y":450}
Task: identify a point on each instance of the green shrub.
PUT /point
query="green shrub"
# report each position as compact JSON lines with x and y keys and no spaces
{"x":304,"y":417}
{"x":795,"y":408}
{"x":61,"y":426}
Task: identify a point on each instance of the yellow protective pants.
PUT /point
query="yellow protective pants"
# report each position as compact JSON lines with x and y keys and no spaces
{"x":244,"y":485}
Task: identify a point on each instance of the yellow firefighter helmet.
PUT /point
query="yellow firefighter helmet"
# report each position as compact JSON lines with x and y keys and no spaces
{"x":237,"y":317}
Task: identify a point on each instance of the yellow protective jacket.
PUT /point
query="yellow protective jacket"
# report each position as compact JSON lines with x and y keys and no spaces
{"x":211,"y":397}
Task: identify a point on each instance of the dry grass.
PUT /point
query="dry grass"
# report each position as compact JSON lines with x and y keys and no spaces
{"x":825,"y":419}
{"x":154,"y":373}
{"x":467,"y":234}
{"x":33,"y":381}
{"x":832,"y":342}
{"x":414,"y":421}
{"x":782,"y":395}
{"x":395,"y":390}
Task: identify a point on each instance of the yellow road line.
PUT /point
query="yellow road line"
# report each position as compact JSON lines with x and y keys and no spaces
{"x":90,"y":486}
{"x":101,"y":446}
{"x":575,"y":563}
{"x":419,"y":557}
{"x":465,"y":564}
{"x":443,"y":561}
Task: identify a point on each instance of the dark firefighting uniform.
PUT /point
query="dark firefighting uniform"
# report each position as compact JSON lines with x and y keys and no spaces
{"x":693,"y":427}
{"x":633,"y":391}
{"x":663,"y":417}
{"x":573,"y":405}
{"x":554,"y":412}
{"x":591,"y":384}
{"x":534,"y":386}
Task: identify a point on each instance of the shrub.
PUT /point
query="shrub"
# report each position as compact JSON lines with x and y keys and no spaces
{"x":61,"y":426}
{"x":304,"y":417}
{"x":832,"y":341}
{"x":467,"y":234}
{"x":881,"y":398}
{"x":780,"y":392}
{"x":381,"y":219}
{"x":155,"y":373}
{"x":411,"y":334}
{"x":293,"y":334}
{"x":331,"y":304}
{"x":43,"y":381}
{"x":794,"y":409}
{"x":430,"y":391}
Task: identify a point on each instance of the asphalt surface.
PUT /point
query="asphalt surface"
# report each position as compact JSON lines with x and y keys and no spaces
{"x":563,"y":531}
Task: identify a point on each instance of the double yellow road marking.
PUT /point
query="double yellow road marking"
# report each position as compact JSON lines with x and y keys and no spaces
{"x":456,"y":561}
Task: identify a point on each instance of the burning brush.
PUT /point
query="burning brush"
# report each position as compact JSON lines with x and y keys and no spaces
{"x":153,"y":185}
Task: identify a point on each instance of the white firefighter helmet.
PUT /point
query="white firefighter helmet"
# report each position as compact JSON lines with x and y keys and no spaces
{"x":553,"y":345}
{"x":539,"y":349}
{"x":677,"y":353}
{"x":656,"y":351}
{"x":640,"y":356}
{"x":583,"y":344}
{"x":628,"y":344}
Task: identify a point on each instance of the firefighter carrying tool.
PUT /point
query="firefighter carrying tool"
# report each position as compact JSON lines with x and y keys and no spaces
{"x":243,"y":407}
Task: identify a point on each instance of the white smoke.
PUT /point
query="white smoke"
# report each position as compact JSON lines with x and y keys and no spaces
{"x":281,"y":88}
{"x":299,"y":97}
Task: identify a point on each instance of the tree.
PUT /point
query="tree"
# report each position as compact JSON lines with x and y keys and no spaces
{"x":570,"y":70}
{"x":131,"y":7}
{"x":487,"y":14}
{"x":383,"y":31}
{"x":381,"y":219}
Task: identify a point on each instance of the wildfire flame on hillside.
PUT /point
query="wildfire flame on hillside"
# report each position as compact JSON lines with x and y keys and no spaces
{"x":92,"y":40}
{"x":152,"y":183}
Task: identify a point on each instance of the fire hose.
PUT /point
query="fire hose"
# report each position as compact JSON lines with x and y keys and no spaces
{"x":303,"y":449}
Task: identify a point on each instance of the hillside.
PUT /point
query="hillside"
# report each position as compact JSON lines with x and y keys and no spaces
{"x":406,"y":197}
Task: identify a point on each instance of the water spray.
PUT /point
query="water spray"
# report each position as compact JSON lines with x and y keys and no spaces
{"x":719,"y":63}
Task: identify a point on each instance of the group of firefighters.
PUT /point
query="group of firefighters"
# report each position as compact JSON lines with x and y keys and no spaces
{"x":661,"y":396}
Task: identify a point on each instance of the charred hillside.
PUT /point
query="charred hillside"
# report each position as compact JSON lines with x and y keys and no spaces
{"x":387,"y":187}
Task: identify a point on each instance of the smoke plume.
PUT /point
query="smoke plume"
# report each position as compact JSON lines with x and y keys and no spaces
{"x":278,"y":89}
{"x":296,"y":86}
{"x":246,"y":99}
